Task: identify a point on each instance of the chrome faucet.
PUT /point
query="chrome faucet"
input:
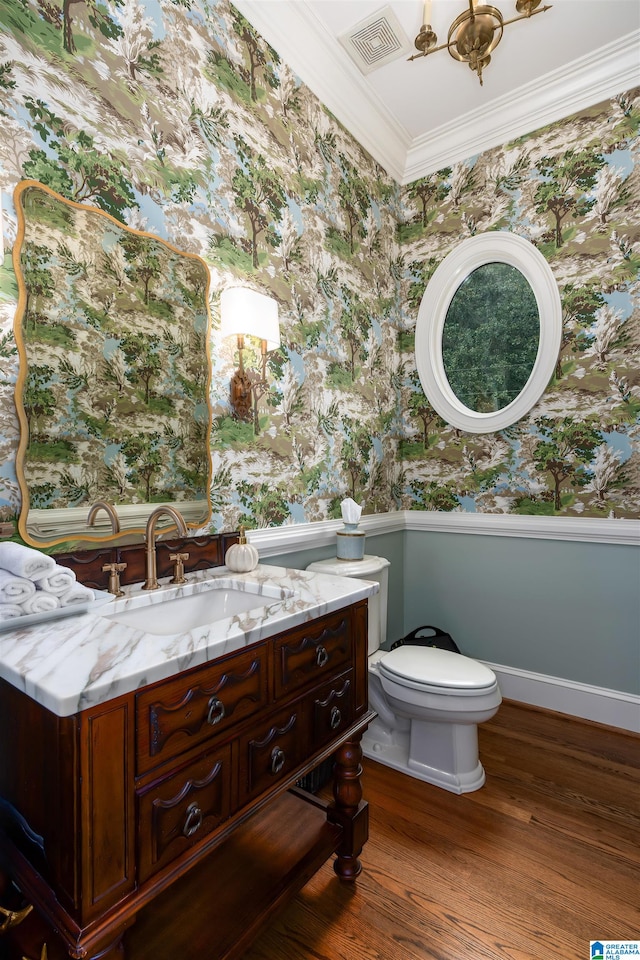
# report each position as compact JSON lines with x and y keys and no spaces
{"x":109,"y":510}
{"x":150,"y":537}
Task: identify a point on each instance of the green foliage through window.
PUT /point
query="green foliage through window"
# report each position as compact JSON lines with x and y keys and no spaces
{"x":490,"y":338}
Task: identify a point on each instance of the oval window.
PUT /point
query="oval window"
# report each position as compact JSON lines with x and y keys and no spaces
{"x":488,"y":332}
{"x":490,"y":337}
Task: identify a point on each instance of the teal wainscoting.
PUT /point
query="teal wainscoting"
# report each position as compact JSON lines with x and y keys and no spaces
{"x":561,"y":608}
{"x":559,"y":620}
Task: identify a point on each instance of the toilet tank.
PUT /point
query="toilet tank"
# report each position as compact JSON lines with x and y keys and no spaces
{"x":369,"y":568}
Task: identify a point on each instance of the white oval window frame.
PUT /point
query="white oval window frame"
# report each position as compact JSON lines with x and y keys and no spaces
{"x":493,"y":247}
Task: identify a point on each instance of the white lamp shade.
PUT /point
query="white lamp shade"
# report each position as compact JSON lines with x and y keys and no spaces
{"x":244,"y":311}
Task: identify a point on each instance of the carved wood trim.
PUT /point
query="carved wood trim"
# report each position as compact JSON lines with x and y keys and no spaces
{"x":204,"y":552}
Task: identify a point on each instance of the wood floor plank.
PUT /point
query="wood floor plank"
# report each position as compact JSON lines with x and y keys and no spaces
{"x":485,"y":888}
{"x":481,"y":839}
{"x":542,"y":859}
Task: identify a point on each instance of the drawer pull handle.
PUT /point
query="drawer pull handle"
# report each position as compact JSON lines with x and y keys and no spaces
{"x":215,"y":712}
{"x":193,"y":820}
{"x":322,"y":657}
{"x":336,"y":718}
{"x":277,"y":760}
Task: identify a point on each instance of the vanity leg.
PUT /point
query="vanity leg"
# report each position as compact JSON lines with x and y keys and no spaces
{"x":349,"y":809}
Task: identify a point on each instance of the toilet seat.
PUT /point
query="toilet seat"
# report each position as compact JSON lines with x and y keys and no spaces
{"x":436,"y":671}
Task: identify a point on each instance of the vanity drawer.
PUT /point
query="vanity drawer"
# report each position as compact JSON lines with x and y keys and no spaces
{"x":331,"y":710}
{"x":312,"y":652}
{"x":182,"y":713}
{"x":181,"y":810}
{"x":271,"y":751}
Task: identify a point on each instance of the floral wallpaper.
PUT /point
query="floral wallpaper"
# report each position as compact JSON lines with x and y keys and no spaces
{"x":179,"y":120}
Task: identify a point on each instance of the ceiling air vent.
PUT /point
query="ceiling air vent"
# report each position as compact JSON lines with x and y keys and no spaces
{"x":375,"y":41}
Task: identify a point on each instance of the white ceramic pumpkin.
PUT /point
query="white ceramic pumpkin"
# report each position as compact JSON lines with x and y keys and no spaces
{"x":241,"y":557}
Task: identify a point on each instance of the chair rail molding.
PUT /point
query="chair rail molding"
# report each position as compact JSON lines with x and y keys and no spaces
{"x":586,"y":529}
{"x":292,"y":538}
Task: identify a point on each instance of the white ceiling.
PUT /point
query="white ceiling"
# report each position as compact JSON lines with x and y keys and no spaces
{"x":416,"y":117}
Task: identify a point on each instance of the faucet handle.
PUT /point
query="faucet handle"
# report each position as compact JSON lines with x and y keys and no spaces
{"x":178,"y":573}
{"x":114,"y":570}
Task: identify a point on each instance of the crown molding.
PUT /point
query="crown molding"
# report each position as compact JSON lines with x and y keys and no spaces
{"x":579,"y":84}
{"x":303,"y":41}
{"x":312,"y":53}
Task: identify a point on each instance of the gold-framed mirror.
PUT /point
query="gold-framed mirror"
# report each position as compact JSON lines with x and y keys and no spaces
{"x":113,"y":331}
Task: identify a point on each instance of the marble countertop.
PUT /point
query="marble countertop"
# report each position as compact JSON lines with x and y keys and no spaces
{"x":76,"y":662}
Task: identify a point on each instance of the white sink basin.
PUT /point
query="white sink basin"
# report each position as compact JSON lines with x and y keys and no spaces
{"x":214,"y":600}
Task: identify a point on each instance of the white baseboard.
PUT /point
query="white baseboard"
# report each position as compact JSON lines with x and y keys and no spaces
{"x":612,"y":707}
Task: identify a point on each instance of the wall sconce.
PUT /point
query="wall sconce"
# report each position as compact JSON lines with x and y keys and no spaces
{"x":246,"y":313}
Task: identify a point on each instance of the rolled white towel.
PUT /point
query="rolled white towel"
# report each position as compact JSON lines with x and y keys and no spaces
{"x":10,"y":611}
{"x":23,"y":561}
{"x":15,"y":589}
{"x":40,"y":602}
{"x":57,"y":581}
{"x":77,"y":593}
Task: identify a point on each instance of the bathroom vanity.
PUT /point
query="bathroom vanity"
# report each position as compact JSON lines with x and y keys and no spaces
{"x":148,"y":782}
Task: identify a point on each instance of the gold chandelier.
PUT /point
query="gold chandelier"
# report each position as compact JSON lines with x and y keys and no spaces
{"x":473,"y":35}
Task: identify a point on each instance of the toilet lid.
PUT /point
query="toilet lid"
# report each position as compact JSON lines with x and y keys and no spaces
{"x":430,"y":667}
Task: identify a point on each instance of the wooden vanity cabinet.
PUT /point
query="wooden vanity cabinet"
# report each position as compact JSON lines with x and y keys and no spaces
{"x":182,"y":713}
{"x":103,"y":811}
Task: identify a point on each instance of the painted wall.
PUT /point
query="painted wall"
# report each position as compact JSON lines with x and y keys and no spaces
{"x":564,"y":609}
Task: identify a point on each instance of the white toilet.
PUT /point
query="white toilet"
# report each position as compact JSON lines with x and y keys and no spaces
{"x":429,"y":701}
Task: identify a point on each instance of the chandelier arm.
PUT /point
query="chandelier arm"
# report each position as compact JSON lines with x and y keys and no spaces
{"x":425,"y":53}
{"x":470,"y":18}
{"x":527,"y":16}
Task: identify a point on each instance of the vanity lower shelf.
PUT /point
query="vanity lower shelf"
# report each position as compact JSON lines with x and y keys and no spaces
{"x":250,"y":878}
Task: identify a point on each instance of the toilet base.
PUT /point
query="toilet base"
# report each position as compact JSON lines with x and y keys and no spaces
{"x":444,"y":754}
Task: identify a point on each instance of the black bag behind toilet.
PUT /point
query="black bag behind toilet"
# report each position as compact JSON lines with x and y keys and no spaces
{"x":438,"y":639}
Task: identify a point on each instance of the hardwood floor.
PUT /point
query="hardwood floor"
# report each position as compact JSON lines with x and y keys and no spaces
{"x":541,"y":860}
